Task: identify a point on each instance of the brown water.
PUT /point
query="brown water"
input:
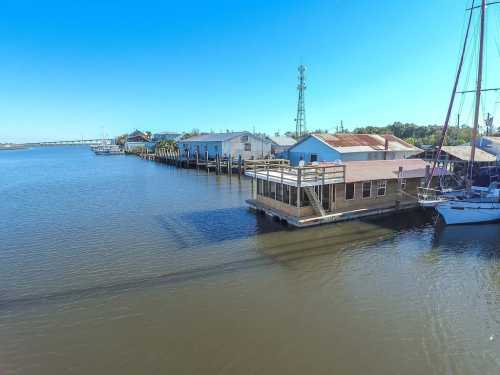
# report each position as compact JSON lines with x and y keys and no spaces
{"x":121,"y":266}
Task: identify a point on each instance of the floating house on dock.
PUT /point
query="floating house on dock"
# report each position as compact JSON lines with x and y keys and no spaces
{"x":331,"y":192}
{"x":324,"y":147}
{"x":235,"y":144}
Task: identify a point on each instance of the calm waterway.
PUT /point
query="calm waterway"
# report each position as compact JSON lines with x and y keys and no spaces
{"x":115,"y":265}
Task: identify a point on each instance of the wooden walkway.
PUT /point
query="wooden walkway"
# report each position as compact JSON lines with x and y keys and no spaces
{"x":219,"y":164}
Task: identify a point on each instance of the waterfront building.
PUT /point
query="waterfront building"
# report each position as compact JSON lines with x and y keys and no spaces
{"x":280,"y":145}
{"x":324,"y":147}
{"x":457,"y":158}
{"x":330,"y":192}
{"x":138,"y":140}
{"x":166,"y":136}
{"x":244,"y":144}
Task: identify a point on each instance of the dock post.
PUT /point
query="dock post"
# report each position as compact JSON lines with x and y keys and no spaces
{"x":229,"y":165}
{"x":239,"y":166}
{"x":400,"y":186}
{"x":188,"y":162}
{"x":197,"y":159}
{"x":299,"y":178}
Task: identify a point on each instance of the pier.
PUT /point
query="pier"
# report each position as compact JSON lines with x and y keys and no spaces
{"x":219,"y":164}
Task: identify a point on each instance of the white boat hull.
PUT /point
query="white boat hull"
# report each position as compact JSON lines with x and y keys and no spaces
{"x":468,"y":212}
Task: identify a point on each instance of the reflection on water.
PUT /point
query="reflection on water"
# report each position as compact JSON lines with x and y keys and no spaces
{"x":481,"y":240}
{"x":122,"y":266}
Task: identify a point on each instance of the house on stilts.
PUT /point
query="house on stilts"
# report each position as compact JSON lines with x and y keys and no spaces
{"x":330,"y":192}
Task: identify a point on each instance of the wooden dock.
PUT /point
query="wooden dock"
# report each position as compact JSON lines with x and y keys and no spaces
{"x":218,"y":164}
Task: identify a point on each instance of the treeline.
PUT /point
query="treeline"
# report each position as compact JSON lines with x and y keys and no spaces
{"x":421,"y":135}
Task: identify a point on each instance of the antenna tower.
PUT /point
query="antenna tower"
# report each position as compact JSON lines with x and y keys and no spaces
{"x":300,"y":120}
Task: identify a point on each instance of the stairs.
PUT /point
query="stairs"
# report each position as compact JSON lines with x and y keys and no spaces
{"x":314,"y":200}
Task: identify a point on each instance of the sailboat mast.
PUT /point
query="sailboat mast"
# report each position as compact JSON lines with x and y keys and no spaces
{"x":452,"y":100}
{"x":478,"y":91}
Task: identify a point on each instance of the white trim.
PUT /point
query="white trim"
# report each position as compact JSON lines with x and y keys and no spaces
{"x":379,"y":186}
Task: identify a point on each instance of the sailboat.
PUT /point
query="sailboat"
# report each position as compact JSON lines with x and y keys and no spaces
{"x":472,"y":204}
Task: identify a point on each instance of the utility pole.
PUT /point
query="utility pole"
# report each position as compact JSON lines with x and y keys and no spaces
{"x":489,"y":125}
{"x":300,"y":120}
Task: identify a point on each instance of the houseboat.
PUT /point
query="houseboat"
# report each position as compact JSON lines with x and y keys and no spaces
{"x":321,"y":193}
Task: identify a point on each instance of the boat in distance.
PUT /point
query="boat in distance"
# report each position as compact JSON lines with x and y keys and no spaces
{"x":108,"y":150}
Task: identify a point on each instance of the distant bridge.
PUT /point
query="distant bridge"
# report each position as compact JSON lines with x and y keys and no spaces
{"x":69,"y":143}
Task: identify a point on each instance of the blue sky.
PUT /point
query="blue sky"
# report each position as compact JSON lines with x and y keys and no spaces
{"x":72,"y":69}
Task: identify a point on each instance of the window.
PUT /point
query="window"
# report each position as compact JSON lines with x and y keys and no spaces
{"x":381,"y":188}
{"x":349,"y":192}
{"x":248,"y":147}
{"x":293,"y":195}
{"x":403,"y":184}
{"x":286,"y":193}
{"x":314,"y":157}
{"x":272,"y":190}
{"x":279,"y":192}
{"x":367,"y":189}
{"x":244,"y":138}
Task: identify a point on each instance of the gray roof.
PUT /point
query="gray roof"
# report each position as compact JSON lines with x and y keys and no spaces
{"x":216,"y":137}
{"x":167,"y":133}
{"x":283,"y":140}
{"x":463,"y":152}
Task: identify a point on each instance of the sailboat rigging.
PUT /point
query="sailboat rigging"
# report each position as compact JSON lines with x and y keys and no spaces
{"x":473,"y":204}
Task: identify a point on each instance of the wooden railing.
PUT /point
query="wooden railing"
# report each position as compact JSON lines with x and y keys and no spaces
{"x":300,"y":175}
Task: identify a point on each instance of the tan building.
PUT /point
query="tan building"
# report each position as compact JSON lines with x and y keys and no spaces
{"x":328,"y":192}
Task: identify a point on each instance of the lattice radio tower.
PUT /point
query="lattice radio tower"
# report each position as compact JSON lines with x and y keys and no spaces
{"x":300,"y":120}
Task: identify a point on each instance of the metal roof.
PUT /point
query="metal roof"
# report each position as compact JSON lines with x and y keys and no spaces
{"x":348,"y":143}
{"x":219,"y":137}
{"x":283,"y":140}
{"x":355,"y":171}
{"x":371,"y":170}
{"x":463,"y":153}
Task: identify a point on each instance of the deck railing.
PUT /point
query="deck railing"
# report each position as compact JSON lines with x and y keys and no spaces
{"x":313,"y":174}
